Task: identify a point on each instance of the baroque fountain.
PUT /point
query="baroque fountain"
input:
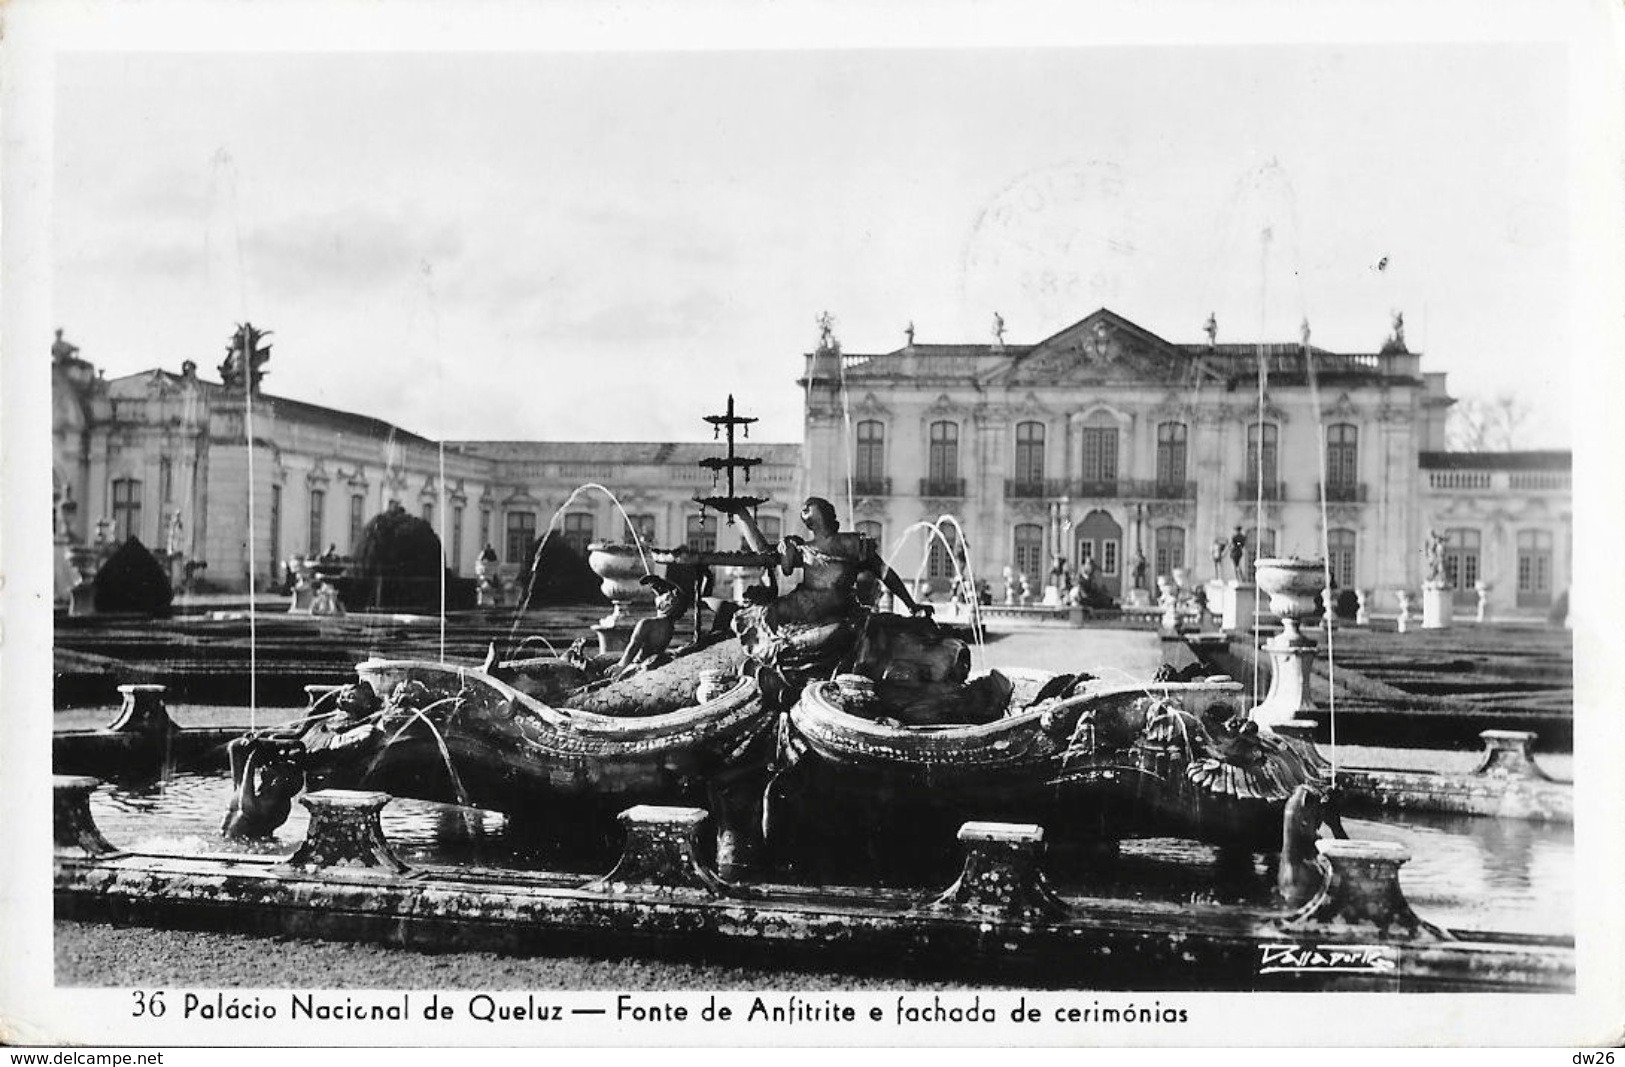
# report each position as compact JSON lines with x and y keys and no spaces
{"x":806,"y":771}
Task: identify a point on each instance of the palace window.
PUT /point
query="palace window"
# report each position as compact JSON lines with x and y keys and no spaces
{"x":1099,"y":455}
{"x":1170,"y":453}
{"x":1261,"y":467}
{"x":166,"y":481}
{"x":640,"y":529}
{"x":521,"y":532}
{"x":939,"y":561}
{"x":485,"y":527}
{"x":1170,"y":549}
{"x":126,"y":508}
{"x":1340,"y":557}
{"x":1462,"y":549}
{"x":1029,"y":550}
{"x":871,"y":530}
{"x":577,"y":533}
{"x":702,"y":533}
{"x":944,"y":453}
{"x":1342,"y":460}
{"x":276,"y":526}
{"x":318,"y":516}
{"x":870,"y":461}
{"x":358,"y":519}
{"x":1030,"y":453}
{"x":1534,"y":568}
{"x":456,"y":537}
{"x":427,"y":512}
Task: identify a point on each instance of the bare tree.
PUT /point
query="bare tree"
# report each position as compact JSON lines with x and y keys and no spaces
{"x":1480,"y":424}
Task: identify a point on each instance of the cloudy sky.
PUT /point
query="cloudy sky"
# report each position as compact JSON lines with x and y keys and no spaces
{"x":581,"y":245}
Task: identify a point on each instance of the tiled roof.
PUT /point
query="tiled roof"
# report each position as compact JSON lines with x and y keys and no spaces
{"x":626,"y":453}
{"x":1551,"y":460}
{"x":303,"y":412}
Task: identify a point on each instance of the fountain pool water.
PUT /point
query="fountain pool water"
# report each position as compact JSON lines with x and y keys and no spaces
{"x":1466,"y":872}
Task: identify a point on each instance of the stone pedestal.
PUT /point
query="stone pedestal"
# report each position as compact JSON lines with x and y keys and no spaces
{"x":620,"y":569}
{"x":1361,"y":896}
{"x":142,"y":711}
{"x":1436,"y":607}
{"x":1001,"y":878}
{"x":1292,"y":658}
{"x":1138,"y":598}
{"x":345,"y":831}
{"x":1506,"y":755}
{"x":660,"y":854}
{"x":1238,"y":606}
{"x":73,"y":827}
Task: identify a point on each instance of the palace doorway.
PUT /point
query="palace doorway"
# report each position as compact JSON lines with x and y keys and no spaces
{"x":1100,"y":538}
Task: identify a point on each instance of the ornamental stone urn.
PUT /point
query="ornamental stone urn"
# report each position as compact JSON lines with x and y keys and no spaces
{"x":620,"y":569}
{"x":1292,"y":583}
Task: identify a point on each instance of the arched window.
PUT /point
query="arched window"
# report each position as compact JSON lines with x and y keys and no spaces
{"x":126,"y":508}
{"x":1030,"y":454}
{"x":1534,"y":568}
{"x":1340,"y":556}
{"x":1170,"y":458}
{"x":1261,"y":466}
{"x":577,"y":533}
{"x":870,"y":461}
{"x":1342,"y":461}
{"x":943,"y":471}
{"x":1029,"y":550}
{"x":702,"y":533}
{"x":1170,"y":549}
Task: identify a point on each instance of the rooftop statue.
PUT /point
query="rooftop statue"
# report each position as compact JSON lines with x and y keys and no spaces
{"x":62,"y":349}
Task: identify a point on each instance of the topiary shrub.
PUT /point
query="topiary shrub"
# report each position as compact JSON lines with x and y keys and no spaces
{"x":132,"y":580}
{"x":562,"y":575}
{"x":1348,"y":604}
{"x":397,"y":565}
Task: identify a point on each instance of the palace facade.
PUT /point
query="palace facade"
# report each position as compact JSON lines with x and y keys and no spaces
{"x":1106,"y":442}
{"x":1102,"y":442}
{"x":164,"y":457}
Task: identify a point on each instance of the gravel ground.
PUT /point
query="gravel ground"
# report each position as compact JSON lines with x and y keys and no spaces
{"x":103,"y":955}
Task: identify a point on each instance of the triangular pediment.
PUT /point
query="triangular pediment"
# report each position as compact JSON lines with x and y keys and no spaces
{"x":1102,"y":346}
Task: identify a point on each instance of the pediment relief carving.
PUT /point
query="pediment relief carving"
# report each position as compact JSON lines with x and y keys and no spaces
{"x":945,"y":406}
{"x":1343,"y":409}
{"x":870,"y":407}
